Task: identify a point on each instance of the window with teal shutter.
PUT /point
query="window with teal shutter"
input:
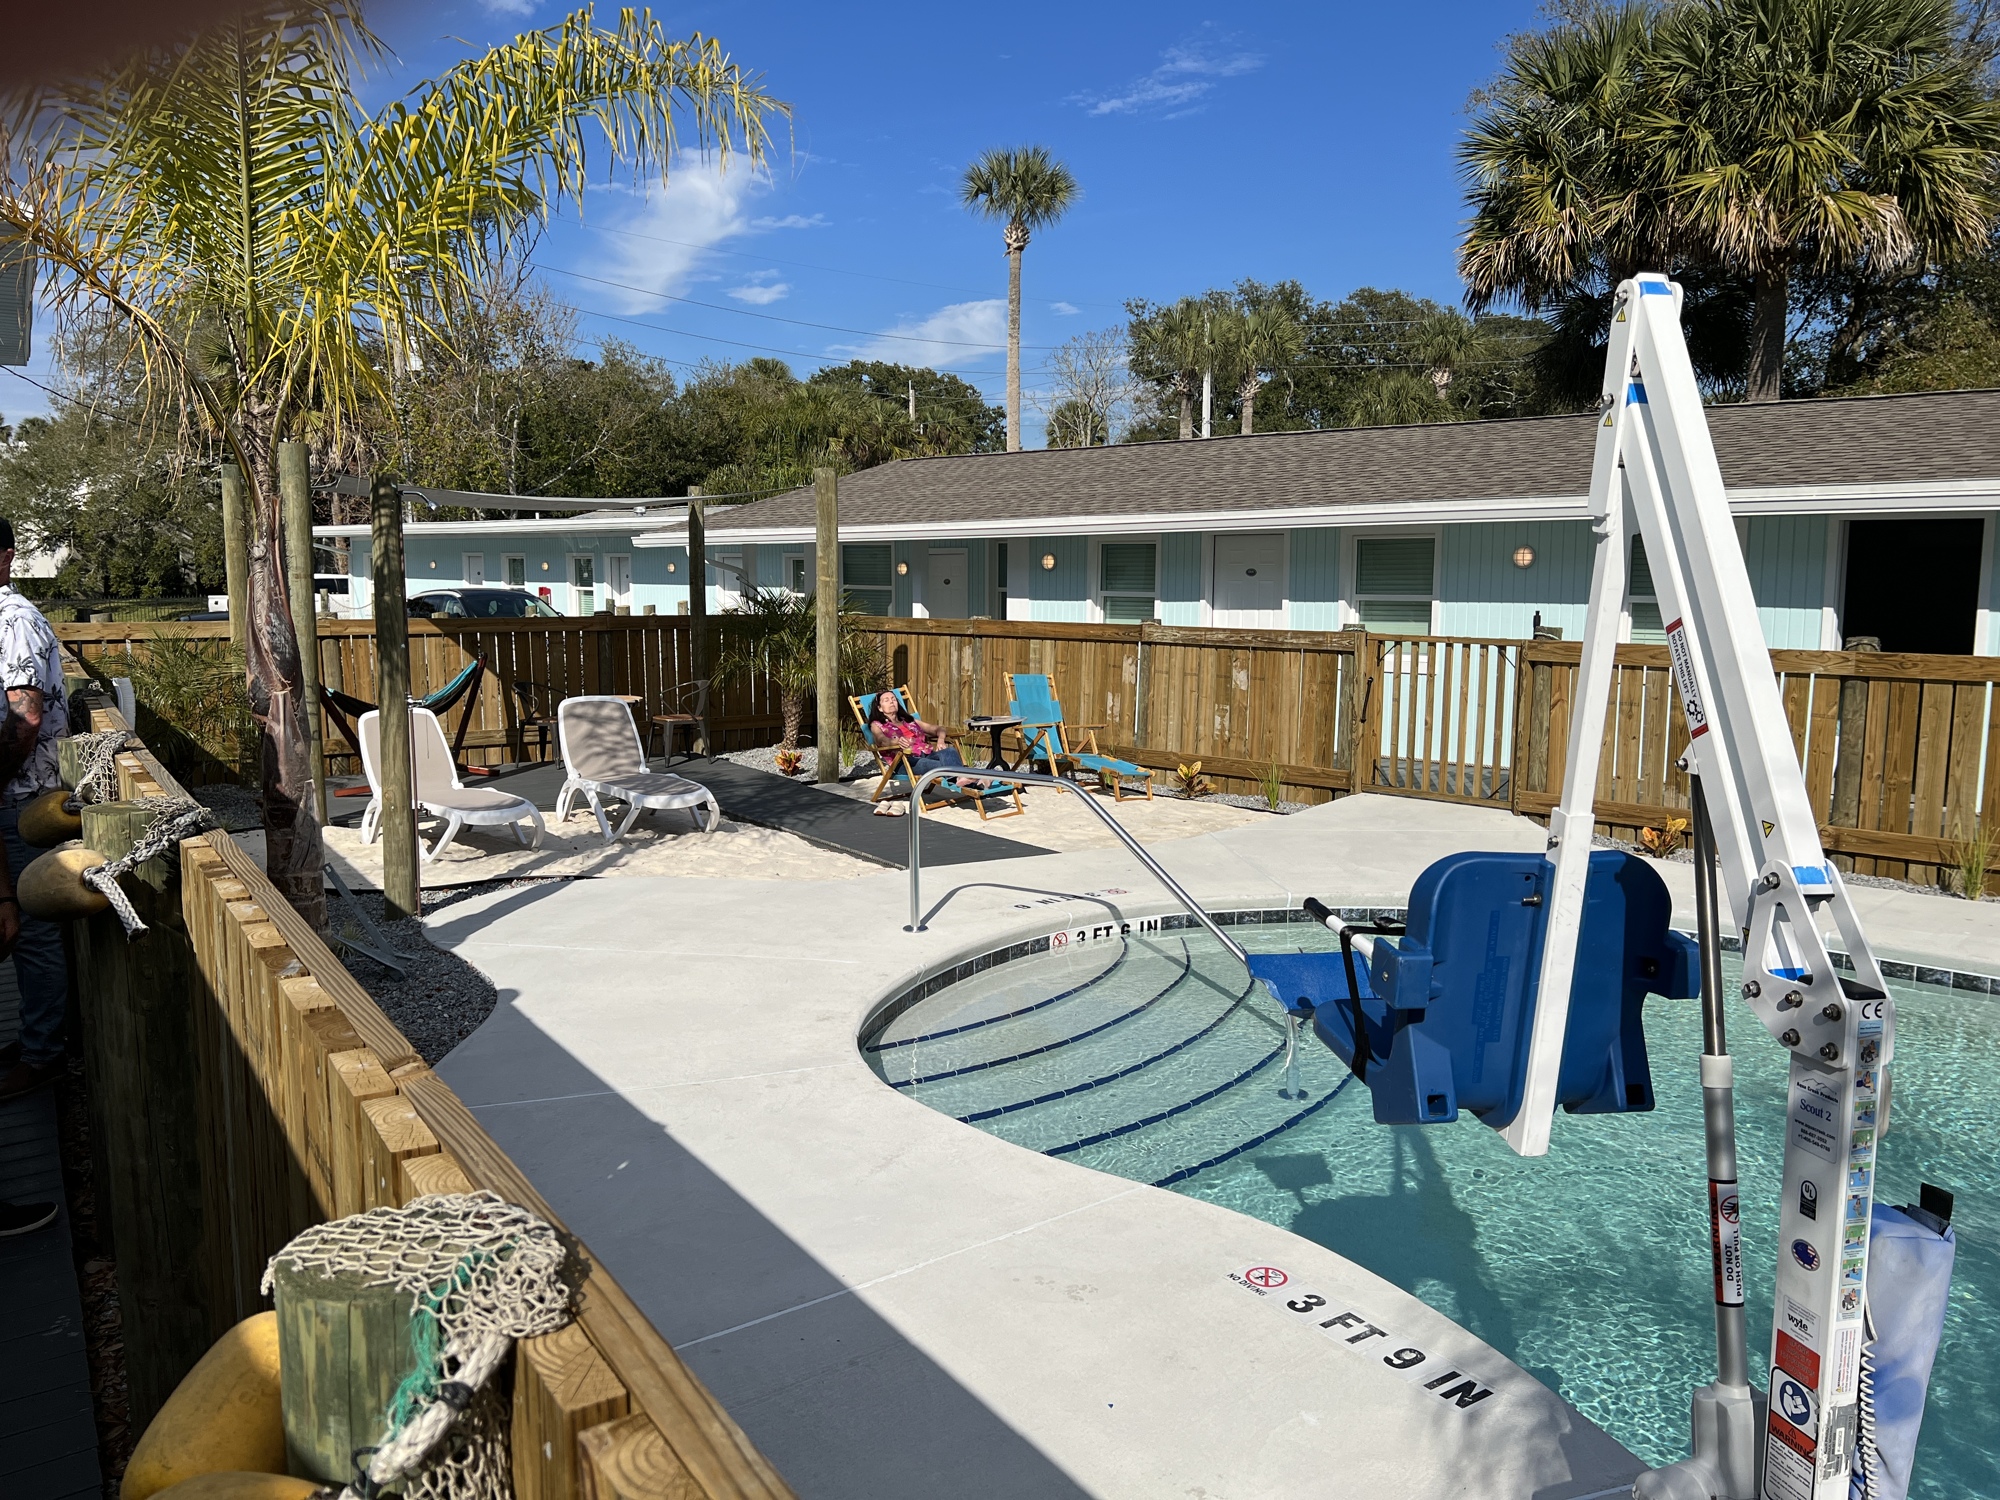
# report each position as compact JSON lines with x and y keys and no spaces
{"x":1393,"y":583}
{"x":1127,"y":577}
{"x":867,"y":577}
{"x":1648,"y":628}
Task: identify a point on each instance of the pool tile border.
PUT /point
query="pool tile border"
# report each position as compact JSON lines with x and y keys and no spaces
{"x":1268,"y":916}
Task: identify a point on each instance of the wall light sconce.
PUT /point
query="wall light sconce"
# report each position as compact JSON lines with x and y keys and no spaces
{"x":434,"y":565}
{"x":673,"y":567}
{"x":545,"y":567}
{"x":902,"y":569}
{"x":1048,"y":562}
{"x":1524,"y":557}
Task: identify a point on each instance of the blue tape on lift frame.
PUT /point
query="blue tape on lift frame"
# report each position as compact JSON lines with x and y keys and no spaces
{"x":1656,"y":289}
{"x":1636,"y":394}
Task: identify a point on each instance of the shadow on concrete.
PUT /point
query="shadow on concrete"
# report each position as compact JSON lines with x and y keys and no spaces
{"x":1040,"y":895}
{"x":834,"y":1396}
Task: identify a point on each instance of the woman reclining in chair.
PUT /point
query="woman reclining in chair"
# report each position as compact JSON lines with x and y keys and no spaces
{"x":889,"y":724}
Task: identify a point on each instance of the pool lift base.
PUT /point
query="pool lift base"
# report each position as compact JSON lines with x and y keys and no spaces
{"x":1520,"y":981}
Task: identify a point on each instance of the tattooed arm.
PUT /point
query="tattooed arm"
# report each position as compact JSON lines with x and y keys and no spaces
{"x":20,"y":729}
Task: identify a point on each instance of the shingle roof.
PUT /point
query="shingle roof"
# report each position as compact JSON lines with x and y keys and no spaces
{"x":1952,"y":435}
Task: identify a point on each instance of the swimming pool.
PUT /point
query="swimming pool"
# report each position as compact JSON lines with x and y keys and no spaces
{"x":1147,"y":1055}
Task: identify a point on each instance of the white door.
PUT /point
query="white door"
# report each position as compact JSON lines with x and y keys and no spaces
{"x":618,"y":580}
{"x":1250,"y":581}
{"x":946,"y":595}
{"x":475,"y":568}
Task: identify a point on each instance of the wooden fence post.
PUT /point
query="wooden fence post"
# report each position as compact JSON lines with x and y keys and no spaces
{"x":295,"y":487}
{"x":140,"y":1057}
{"x":629,"y":1460}
{"x":562,"y":1387}
{"x":235,"y":552}
{"x":392,"y":692}
{"x":826,"y":599}
{"x":697,"y":565}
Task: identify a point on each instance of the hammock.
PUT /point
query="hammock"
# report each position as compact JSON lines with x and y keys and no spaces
{"x":340,"y":709}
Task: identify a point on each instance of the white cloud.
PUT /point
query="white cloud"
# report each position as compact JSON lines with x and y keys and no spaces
{"x":1064,"y":309}
{"x":954,"y":335}
{"x":701,"y":207}
{"x":790,"y":221}
{"x":508,"y":7}
{"x":761,"y":289}
{"x":1186,"y":73}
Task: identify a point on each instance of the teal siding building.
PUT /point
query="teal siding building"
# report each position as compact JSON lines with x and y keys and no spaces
{"x":1870,"y":517}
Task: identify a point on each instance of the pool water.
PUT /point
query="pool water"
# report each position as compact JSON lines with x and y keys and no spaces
{"x":1149,"y":1057}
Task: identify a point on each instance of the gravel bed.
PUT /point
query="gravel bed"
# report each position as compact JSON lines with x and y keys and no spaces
{"x":1685,"y":856}
{"x":441,"y":999}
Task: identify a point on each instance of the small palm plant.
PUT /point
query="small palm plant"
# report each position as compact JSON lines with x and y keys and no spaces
{"x":773,"y":634}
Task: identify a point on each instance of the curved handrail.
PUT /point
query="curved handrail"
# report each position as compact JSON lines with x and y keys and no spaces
{"x":1035,"y":778}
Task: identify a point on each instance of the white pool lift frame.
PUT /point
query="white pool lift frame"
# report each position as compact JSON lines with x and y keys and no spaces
{"x":1655,"y":466}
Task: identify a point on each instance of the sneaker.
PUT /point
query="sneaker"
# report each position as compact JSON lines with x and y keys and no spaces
{"x":24,"y":1218}
{"x":25,"y":1077}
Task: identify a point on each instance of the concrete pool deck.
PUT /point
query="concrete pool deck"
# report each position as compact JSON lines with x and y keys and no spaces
{"x":893,"y":1304}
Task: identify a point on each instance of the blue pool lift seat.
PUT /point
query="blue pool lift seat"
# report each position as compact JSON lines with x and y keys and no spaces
{"x":1440,"y":1019}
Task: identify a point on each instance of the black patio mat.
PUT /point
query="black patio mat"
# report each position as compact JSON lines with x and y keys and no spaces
{"x":845,"y":824}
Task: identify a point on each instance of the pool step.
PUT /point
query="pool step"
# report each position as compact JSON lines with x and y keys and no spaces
{"x":1152,"y":989}
{"x":1136,"y":1088}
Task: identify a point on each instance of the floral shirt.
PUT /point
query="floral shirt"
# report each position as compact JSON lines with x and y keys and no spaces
{"x":904,"y":732}
{"x":29,"y":657}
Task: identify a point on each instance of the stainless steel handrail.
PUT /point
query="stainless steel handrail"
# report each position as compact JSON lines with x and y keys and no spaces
{"x":1033,"y":778}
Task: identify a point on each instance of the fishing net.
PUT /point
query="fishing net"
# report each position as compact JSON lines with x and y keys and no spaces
{"x":482,"y":1273}
{"x":171,"y":820}
{"x":98,"y":780}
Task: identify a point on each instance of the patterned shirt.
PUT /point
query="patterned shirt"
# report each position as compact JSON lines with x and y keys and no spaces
{"x":30,"y":657}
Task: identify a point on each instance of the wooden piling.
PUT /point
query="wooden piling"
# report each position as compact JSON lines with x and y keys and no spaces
{"x":629,"y":1460}
{"x":562,"y":1388}
{"x":826,"y":613}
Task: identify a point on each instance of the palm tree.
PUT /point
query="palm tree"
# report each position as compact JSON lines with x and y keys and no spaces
{"x":1027,"y":188}
{"x":1260,"y":342}
{"x":1174,"y":344}
{"x":273,"y":250}
{"x":1749,"y":136}
{"x":1825,"y":133}
{"x":774,"y":634}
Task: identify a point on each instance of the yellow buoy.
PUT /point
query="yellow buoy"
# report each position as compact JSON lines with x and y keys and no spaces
{"x":52,"y":887}
{"x":238,"y":1484}
{"x":45,"y":822}
{"x":224,"y":1420}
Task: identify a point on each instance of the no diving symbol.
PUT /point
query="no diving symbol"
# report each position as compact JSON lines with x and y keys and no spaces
{"x":1270,"y":1278}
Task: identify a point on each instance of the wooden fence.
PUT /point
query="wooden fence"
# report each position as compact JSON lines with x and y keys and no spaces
{"x":244,"y":1087}
{"x":1901,"y":753}
{"x":531,"y":665}
{"x":1898,"y":751}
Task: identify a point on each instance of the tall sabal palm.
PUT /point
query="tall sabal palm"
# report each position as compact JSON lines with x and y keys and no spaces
{"x":1253,"y":345}
{"x":1822,"y":133}
{"x":264,"y":240}
{"x":1556,"y":180}
{"x":1027,"y":189}
{"x":1748,"y":136}
{"x":1175,"y":344}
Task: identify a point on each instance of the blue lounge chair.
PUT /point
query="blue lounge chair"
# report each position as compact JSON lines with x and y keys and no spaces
{"x":1058,"y":744}
{"x":899,"y":776}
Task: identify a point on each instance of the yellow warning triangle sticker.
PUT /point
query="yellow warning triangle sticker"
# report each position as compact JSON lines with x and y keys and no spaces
{"x":1768,"y":827}
{"x":1607,"y":419}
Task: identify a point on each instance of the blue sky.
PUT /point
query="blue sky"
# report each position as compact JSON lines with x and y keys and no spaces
{"x":1311,"y":141}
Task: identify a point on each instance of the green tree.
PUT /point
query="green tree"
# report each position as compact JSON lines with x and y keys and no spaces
{"x":129,"y":515}
{"x":1253,"y":344}
{"x":1172,"y":347}
{"x":1755,"y":137}
{"x":774,"y":634}
{"x":951,"y":414}
{"x":276,"y":250}
{"x":1027,"y":189}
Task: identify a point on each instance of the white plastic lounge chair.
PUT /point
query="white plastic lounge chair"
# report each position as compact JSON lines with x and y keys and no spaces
{"x":606,"y":762}
{"x":439,"y":792}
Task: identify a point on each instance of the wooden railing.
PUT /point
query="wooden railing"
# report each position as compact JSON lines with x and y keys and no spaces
{"x":245,"y":1086}
{"x":1901,"y":753}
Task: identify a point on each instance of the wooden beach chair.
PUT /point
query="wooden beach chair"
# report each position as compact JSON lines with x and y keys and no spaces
{"x":1057,"y":744}
{"x":899,"y":776}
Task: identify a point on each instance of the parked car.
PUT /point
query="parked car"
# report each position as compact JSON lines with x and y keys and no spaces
{"x":480,"y":604}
